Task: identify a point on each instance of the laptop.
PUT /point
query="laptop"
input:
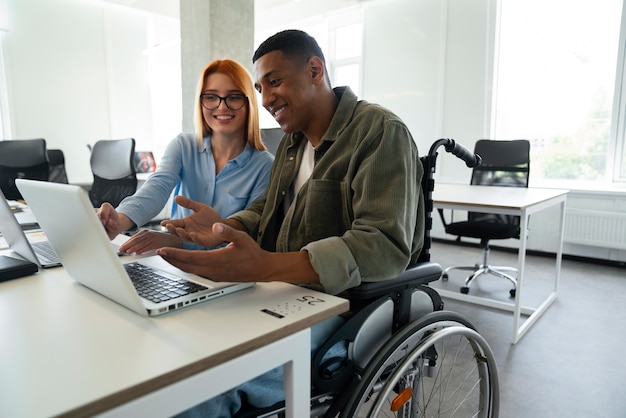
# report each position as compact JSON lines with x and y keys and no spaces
{"x":38,"y":252}
{"x":72,"y":226}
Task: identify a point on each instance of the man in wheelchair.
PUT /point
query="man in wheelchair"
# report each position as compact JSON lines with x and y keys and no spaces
{"x":343,"y":206}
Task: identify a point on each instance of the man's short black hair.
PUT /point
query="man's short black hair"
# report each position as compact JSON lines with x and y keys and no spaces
{"x":293,"y":43}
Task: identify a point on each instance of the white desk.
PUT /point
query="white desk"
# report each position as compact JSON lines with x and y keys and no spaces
{"x":509,"y":201}
{"x":66,"y":351}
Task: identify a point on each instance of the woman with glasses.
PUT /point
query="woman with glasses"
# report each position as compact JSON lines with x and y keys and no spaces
{"x":224,"y":164}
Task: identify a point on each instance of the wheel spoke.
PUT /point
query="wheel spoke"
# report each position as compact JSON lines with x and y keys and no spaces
{"x":442,"y":361}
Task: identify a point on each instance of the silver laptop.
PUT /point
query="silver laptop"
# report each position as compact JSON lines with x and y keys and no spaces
{"x":72,"y":226}
{"x":39,"y":252}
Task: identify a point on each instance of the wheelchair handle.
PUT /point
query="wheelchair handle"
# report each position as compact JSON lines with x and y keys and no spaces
{"x":451,"y":146}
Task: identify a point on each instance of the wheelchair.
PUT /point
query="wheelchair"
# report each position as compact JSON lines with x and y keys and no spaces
{"x":407,"y":356}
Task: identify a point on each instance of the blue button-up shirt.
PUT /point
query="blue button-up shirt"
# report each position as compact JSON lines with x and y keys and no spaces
{"x":189,"y":170}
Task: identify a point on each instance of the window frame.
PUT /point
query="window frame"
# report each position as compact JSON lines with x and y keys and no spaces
{"x":617,"y":140}
{"x":5,"y":114}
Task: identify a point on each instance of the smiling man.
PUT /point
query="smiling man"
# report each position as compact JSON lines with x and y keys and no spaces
{"x":343,"y":205}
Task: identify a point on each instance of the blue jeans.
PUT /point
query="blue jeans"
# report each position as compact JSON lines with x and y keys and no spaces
{"x":266,"y":389}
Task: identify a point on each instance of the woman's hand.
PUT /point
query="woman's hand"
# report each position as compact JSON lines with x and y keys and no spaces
{"x":110,"y":220}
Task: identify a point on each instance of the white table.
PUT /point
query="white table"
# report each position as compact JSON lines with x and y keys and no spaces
{"x":522,"y":202}
{"x":67,"y":351}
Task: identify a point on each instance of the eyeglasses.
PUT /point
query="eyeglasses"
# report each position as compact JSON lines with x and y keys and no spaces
{"x":213,"y":101}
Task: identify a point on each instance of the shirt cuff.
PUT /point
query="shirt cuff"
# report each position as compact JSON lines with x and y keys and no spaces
{"x":334,"y":264}
{"x":248,"y":219}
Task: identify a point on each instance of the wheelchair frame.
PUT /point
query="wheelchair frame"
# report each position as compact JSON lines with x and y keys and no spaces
{"x":407,"y":357}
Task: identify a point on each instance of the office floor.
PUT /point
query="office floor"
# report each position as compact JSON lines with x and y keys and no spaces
{"x":572,"y":362}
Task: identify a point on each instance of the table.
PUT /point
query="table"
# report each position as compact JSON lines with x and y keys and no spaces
{"x":67,"y":351}
{"x":508,"y":201}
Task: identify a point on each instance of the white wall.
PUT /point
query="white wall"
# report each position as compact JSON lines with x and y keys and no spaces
{"x":76,"y":75}
{"x":430,"y":62}
{"x":406,"y":75}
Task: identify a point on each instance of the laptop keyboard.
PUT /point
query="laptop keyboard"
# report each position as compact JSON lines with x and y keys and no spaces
{"x":156,"y":287}
{"x":45,"y":251}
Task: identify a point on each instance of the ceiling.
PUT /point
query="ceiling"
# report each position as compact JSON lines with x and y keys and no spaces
{"x":171,"y":7}
{"x":168,"y":8}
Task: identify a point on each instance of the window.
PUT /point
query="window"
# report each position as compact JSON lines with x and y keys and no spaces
{"x":555,"y":83}
{"x":165,"y":80}
{"x":345,"y":58}
{"x":5,"y":128}
{"x":619,"y":125}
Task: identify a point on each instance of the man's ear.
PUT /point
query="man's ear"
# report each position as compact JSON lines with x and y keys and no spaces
{"x":316,"y":69}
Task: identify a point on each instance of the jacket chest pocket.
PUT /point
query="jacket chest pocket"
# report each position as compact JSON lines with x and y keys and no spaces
{"x":328,"y":211}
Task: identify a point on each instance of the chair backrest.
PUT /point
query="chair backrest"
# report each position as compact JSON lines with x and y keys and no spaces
{"x":113,"y":167}
{"x":57,"y":173}
{"x":504,"y":163}
{"x":428,"y":185}
{"x":271,"y":138}
{"x":22,"y":158}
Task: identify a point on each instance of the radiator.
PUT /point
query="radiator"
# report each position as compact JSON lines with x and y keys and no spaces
{"x":595,"y":228}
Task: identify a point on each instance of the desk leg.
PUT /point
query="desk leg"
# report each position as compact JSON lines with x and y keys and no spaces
{"x":521,"y":263}
{"x":516,"y":308}
{"x":559,"y":254}
{"x":519,"y":331}
{"x":292,"y":351}
{"x":297,"y":378}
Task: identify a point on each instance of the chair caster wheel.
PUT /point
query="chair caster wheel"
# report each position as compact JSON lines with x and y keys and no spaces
{"x":465,"y":290}
{"x":512,"y":293}
{"x":444,"y":277}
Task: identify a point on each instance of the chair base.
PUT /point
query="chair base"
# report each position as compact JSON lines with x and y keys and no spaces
{"x":483,"y":268}
{"x":480,"y":269}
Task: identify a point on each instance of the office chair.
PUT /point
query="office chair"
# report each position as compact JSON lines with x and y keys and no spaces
{"x":113,"y":167}
{"x":22,"y":158}
{"x":57,"y":172}
{"x":504,"y":163}
{"x":271,"y":138}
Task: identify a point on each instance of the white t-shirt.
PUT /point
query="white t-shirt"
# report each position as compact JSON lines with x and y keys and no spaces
{"x":304,"y":172}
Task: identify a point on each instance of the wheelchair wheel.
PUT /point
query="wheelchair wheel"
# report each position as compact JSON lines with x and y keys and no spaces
{"x":438,"y":366}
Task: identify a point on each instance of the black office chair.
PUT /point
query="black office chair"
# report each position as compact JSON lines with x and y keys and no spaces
{"x":22,"y":158}
{"x":504,"y":163}
{"x":113,"y":167}
{"x":57,"y":173}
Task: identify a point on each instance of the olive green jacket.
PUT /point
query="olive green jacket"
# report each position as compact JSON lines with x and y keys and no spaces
{"x":356,"y":216}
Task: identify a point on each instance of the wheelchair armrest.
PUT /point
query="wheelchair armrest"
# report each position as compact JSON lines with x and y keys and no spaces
{"x":416,"y":274}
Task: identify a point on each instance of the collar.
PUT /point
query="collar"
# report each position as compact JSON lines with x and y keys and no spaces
{"x":342,"y":117}
{"x":241,"y":160}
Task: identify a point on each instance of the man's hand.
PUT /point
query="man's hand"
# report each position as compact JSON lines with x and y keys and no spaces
{"x":197,"y":226}
{"x":145,"y":240}
{"x":242,"y":260}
